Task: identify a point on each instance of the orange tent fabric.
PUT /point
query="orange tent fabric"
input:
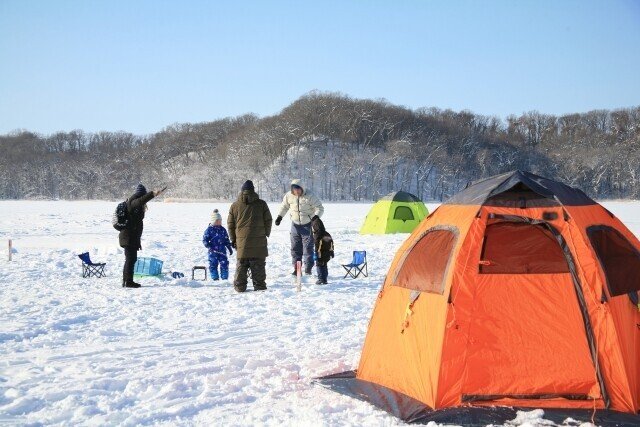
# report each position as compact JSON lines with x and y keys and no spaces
{"x":519,"y":291}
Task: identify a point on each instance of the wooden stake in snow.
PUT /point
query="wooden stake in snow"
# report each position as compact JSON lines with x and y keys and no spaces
{"x":10,"y":249}
{"x":298,"y":276}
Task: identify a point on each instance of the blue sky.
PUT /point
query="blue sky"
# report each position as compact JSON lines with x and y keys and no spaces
{"x":140,"y":65}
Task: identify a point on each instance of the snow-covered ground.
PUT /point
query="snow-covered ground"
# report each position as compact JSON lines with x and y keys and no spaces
{"x":87,"y":351}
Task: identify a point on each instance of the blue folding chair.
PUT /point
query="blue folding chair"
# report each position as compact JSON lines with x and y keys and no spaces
{"x":91,"y":268}
{"x":357,"y":266}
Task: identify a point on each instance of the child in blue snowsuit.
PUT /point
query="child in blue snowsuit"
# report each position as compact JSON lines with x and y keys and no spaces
{"x":217,"y":241}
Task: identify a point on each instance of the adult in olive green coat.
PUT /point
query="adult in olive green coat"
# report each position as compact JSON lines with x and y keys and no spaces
{"x":249,"y":225}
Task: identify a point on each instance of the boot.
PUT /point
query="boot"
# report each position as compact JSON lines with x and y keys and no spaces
{"x":132,"y":285}
{"x":320,"y":282}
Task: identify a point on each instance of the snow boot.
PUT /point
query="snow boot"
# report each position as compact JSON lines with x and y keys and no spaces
{"x":132,"y":285}
{"x":320,"y":282}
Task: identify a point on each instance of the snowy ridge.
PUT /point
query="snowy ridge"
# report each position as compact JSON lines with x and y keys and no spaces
{"x":329,"y":168}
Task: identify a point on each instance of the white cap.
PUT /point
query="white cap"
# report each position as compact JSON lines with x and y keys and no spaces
{"x":215,"y":216}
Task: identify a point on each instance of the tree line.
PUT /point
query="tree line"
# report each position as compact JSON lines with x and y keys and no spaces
{"x":343,"y":148}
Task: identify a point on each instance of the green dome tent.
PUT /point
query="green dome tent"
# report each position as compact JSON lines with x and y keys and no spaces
{"x":397,"y":212}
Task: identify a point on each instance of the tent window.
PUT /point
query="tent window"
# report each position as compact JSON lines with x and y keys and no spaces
{"x":424,"y":268}
{"x":619,"y":259}
{"x":403,"y":213}
{"x":521,"y":248}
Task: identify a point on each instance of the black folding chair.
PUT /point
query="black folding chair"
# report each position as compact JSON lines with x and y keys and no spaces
{"x":91,"y":268}
{"x":357,"y":266}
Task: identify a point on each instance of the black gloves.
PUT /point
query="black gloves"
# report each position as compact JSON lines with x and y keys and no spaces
{"x":233,"y":245}
{"x":278,"y":220}
{"x":314,"y":218}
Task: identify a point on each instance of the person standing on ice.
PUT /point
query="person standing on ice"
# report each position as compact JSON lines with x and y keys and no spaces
{"x":249,"y":225}
{"x":130,"y":238}
{"x":303,"y":208}
{"x":323,"y":247}
{"x":217,"y":241}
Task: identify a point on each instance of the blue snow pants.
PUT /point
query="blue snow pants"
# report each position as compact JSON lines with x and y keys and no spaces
{"x":216,"y":259}
{"x":302,"y":245}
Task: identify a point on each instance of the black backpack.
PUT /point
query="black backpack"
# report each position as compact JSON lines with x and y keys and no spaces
{"x":120,"y":219}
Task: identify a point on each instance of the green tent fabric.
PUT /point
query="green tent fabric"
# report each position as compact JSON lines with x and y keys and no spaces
{"x":397,"y":212}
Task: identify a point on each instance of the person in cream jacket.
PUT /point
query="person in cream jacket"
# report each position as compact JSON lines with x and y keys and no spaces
{"x":303,"y":207}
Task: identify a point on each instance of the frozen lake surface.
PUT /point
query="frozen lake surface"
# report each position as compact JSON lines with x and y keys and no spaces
{"x":87,"y":351}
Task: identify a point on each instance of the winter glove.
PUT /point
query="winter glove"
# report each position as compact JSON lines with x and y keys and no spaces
{"x":278,"y":220}
{"x":233,"y":245}
{"x":331,"y":254}
{"x":315,"y":255}
{"x":230,"y":251}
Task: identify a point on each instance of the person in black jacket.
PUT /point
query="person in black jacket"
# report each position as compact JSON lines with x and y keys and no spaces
{"x":323,"y":250}
{"x":130,"y":238}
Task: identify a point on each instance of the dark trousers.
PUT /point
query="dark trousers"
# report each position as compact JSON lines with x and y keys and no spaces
{"x":258,"y":274}
{"x":302,"y":245}
{"x":322,"y":270}
{"x":130,"y":258}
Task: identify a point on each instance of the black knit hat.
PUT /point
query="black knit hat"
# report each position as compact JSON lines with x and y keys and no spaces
{"x":140,"y":190}
{"x":248,"y":185}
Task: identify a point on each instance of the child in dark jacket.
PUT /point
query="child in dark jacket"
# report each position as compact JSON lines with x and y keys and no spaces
{"x":217,"y":241}
{"x":323,"y":250}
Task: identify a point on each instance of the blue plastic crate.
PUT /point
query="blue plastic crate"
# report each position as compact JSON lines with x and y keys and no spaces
{"x":148,"y":267}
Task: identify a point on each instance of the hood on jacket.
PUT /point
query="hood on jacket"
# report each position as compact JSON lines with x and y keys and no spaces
{"x":248,"y":196}
{"x":297,"y":182}
{"x":140,"y":191}
{"x":317,"y":227}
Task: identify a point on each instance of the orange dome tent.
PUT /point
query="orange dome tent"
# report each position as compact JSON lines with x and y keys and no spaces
{"x":517,"y":292}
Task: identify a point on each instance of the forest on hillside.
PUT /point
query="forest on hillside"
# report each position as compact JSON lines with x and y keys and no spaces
{"x":343,"y":148}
